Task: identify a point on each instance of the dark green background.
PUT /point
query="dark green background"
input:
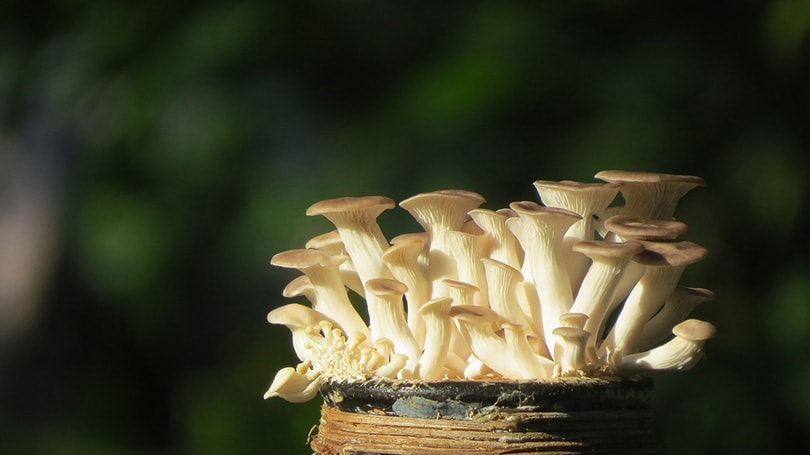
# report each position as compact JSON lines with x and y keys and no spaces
{"x":181,"y":143}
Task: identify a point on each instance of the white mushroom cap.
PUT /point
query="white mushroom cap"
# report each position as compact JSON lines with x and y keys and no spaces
{"x":298,"y":318}
{"x":570,"y":352}
{"x":649,"y":194}
{"x":635,"y":228}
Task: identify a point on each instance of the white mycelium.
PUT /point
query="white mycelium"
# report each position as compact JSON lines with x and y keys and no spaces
{"x":527,"y":292}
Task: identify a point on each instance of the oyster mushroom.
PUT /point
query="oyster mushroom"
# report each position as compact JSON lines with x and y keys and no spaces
{"x":331,"y":244}
{"x":298,"y":318}
{"x":437,"y":342}
{"x":330,"y":294}
{"x":589,"y":200}
{"x":649,"y":194}
{"x":676,"y":309}
{"x":664,"y":263}
{"x":356,"y":221}
{"x":678,"y":354}
{"x":387,"y":317}
{"x":504,"y":246}
{"x":570,"y":354}
{"x":293,"y":386}
{"x":402,"y":259}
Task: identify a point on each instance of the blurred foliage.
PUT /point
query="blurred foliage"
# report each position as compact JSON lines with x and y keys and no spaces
{"x":192,"y":136}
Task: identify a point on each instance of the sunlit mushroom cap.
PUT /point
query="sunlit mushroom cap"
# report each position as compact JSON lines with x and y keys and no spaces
{"x":630,"y":227}
{"x":372,"y":204}
{"x":695,"y":330}
{"x":298,"y":287}
{"x":302,"y":259}
{"x":385,"y":286}
{"x":573,"y":320}
{"x":614,"y":176}
{"x":670,"y":253}
{"x":599,"y":248}
{"x":534,"y":209}
{"x":325,"y":241}
{"x":570,"y":332}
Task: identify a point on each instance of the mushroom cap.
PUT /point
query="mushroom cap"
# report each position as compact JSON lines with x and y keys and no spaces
{"x":302,"y":259}
{"x":441,"y":305}
{"x":326,"y":240}
{"x":670,"y":253}
{"x":385,"y":286}
{"x":577,"y":187}
{"x":533,"y":209}
{"x":297,"y":287}
{"x":701,"y":294}
{"x":351,"y":204}
{"x":570,"y":332}
{"x":461,"y":285}
{"x":473,"y":314}
{"x":445,"y":194}
{"x":411,"y":236}
{"x":298,"y":315}
{"x":601,"y":248}
{"x":403,"y":246}
{"x":614,"y":176}
{"x":573,"y":320}
{"x":695,"y":330}
{"x":631,"y":227}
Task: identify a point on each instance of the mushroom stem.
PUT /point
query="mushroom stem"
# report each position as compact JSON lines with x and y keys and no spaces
{"x":541,"y":236}
{"x":467,"y":250}
{"x":570,"y":357}
{"x":437,"y":342}
{"x":330,"y":294}
{"x":503,"y":280}
{"x":504,"y":246}
{"x":532,"y":366}
{"x":402,"y":259}
{"x":331,"y":244}
{"x":387,"y":317}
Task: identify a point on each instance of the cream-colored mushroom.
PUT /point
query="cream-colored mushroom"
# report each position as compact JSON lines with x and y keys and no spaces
{"x":387,"y":317}
{"x":595,"y":295}
{"x":664,"y":263}
{"x":356,"y":221}
{"x":438,"y":336}
{"x":298,"y":318}
{"x":676,"y":309}
{"x":504,"y":246}
{"x":467,"y":250}
{"x":589,"y":200}
{"x":330,"y":294}
{"x":532,"y":366}
{"x":331,"y":244}
{"x":402,"y":259}
{"x":570,"y":356}
{"x":678,"y":354}
{"x":293,"y":386}
{"x":503,"y":281}
{"x":300,"y":287}
{"x":541,"y":236}
{"x":439,"y":212}
{"x":649,"y":194}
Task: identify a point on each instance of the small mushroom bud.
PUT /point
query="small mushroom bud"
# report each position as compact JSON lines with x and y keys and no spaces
{"x":293,"y":386}
{"x":570,"y":359}
{"x":678,"y":354}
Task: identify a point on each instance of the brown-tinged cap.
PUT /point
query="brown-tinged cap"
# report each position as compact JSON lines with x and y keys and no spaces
{"x":670,"y":253}
{"x":385,"y":286}
{"x":570,"y":185}
{"x":601,"y":248}
{"x":647,"y":177}
{"x":631,"y":227}
{"x":351,"y":204}
{"x":472,"y":197}
{"x":695,"y":330}
{"x":701,"y":294}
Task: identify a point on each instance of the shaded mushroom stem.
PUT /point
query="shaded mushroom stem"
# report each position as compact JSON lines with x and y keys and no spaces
{"x":678,"y":354}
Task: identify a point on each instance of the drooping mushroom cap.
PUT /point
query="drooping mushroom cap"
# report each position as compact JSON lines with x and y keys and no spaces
{"x":300,"y":286}
{"x":303,"y":259}
{"x":630,"y":227}
{"x":385,"y":287}
{"x":329,"y":241}
{"x":372,"y":205}
{"x":670,"y":253}
{"x":695,"y":330}
{"x":600,"y":248}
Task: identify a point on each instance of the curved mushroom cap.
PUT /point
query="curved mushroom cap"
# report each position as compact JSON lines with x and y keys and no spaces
{"x":298,"y":287}
{"x":614,"y":176}
{"x":302,"y":259}
{"x":372,"y":204}
{"x":296,"y":315}
{"x":529,"y":208}
{"x":577,"y":196}
{"x":630,"y":227}
{"x":385,"y":286}
{"x":325,"y":241}
{"x":700,"y":294}
{"x":695,"y":330}
{"x":570,"y":332}
{"x":439,"y":306}
{"x":576,"y":320}
{"x":451,"y":206}
{"x":473,"y":314}
{"x":461,"y":285}
{"x":670,"y":253}
{"x":411,"y":236}
{"x":601,"y":248}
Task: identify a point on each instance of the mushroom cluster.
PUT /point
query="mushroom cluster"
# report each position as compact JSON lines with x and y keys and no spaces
{"x":577,"y":286}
